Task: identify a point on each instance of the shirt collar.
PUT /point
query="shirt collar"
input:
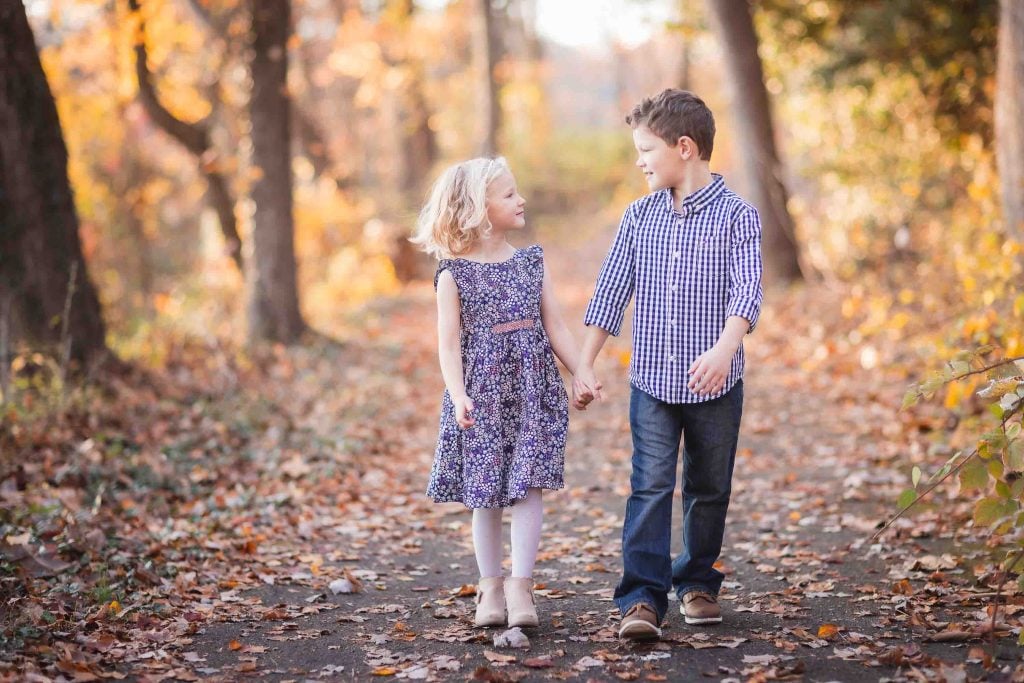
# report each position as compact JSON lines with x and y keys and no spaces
{"x":697,"y":201}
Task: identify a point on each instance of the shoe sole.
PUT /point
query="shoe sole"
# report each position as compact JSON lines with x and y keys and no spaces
{"x":696,"y":621}
{"x":640,"y":632}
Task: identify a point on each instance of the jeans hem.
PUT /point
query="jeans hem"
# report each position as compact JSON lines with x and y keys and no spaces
{"x":692,"y":588}
{"x":643,"y":601}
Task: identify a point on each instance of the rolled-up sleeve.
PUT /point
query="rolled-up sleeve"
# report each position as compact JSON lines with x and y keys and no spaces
{"x":616,"y":281}
{"x":745,"y":268}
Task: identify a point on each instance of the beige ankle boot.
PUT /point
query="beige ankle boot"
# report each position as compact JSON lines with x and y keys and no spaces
{"x":522,"y":610}
{"x":490,"y":601}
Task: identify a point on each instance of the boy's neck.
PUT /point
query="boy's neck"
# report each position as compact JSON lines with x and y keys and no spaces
{"x":694,"y":178}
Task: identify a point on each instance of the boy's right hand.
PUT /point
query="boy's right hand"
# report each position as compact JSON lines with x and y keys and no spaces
{"x":585,"y":387}
{"x":463,"y":408}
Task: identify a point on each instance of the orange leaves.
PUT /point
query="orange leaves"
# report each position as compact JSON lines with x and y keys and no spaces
{"x":276,"y":614}
{"x":828,"y":631}
{"x":467,"y":590}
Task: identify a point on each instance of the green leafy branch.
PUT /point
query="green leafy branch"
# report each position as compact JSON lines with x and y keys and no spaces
{"x":980,"y":465}
{"x":997,"y":456}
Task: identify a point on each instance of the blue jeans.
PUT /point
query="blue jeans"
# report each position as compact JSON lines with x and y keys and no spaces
{"x":709,"y":431}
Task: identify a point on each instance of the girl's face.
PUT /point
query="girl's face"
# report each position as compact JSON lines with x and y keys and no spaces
{"x":505,"y":205}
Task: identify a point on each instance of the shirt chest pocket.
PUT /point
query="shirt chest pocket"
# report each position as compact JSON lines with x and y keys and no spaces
{"x":711,"y":256}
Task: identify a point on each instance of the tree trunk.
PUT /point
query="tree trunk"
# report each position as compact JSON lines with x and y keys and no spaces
{"x":1009,"y":115}
{"x":735,"y":28}
{"x":44,"y":283}
{"x":684,"y":65}
{"x":274,"y":301}
{"x":488,"y":52}
{"x":417,"y":141}
{"x":686,"y":36}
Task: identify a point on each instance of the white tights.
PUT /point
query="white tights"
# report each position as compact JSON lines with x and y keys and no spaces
{"x":527,"y":520}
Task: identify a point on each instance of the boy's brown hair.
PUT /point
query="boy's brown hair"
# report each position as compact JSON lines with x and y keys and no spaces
{"x":674,"y":113}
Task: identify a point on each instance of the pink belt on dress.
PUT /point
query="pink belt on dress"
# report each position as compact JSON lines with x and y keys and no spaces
{"x":512,"y":326}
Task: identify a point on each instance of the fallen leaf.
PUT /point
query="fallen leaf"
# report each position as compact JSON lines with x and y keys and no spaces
{"x":497,"y":657}
{"x":539,"y":663}
{"x":828,"y":631}
{"x":514,"y":637}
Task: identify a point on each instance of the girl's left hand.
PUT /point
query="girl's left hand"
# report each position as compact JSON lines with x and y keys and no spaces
{"x":463,"y":408}
{"x":709,"y":372}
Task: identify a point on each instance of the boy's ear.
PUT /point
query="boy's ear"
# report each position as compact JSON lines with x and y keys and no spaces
{"x":687,"y":148}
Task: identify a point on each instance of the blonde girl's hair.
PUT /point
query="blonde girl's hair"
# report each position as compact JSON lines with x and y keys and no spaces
{"x":455,"y":214}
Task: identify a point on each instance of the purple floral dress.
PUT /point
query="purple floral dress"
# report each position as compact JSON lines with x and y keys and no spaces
{"x":520,"y":405}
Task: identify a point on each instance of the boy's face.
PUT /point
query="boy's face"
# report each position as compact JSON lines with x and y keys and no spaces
{"x":662,"y":165}
{"x":505,"y":206}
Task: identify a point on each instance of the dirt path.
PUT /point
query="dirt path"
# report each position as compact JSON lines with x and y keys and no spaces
{"x":807,"y":595}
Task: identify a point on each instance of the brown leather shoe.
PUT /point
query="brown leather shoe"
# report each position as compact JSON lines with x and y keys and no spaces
{"x":700,"y":607}
{"x":640,"y":622}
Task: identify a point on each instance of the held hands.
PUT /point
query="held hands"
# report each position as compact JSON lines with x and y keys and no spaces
{"x":709,"y":371}
{"x":463,"y":408}
{"x":585,"y":387}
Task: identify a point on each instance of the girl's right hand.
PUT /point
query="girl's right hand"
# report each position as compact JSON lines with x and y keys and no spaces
{"x":463,"y":408}
{"x":585,"y":387}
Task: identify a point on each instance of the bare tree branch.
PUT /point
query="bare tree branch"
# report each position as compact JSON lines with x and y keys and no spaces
{"x":195,"y":137}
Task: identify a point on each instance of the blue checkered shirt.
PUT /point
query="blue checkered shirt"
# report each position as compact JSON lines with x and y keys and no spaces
{"x":691,"y":270}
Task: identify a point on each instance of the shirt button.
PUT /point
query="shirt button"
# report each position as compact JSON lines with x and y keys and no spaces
{"x":675,"y":254}
{"x":675,"y":287}
{"x":671,"y":358}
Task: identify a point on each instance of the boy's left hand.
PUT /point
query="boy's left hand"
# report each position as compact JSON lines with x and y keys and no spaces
{"x":709,"y":372}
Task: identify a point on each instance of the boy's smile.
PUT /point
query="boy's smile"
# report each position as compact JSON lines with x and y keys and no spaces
{"x":663,"y":166}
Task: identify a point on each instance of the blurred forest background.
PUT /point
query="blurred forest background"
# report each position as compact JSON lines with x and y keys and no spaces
{"x":193,"y":191}
{"x":868,"y":133}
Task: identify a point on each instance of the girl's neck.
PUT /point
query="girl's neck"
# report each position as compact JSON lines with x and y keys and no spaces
{"x":493,"y":247}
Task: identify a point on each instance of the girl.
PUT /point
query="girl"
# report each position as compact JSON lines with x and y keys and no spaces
{"x":504,"y":414}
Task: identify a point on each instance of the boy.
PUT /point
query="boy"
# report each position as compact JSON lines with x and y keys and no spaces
{"x":691,"y":251}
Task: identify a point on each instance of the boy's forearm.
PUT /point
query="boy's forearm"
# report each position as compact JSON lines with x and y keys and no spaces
{"x":736,"y":328}
{"x":593,"y":340}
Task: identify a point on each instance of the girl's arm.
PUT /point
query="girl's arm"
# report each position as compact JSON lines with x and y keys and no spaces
{"x":562,"y":341}
{"x":449,"y":347}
